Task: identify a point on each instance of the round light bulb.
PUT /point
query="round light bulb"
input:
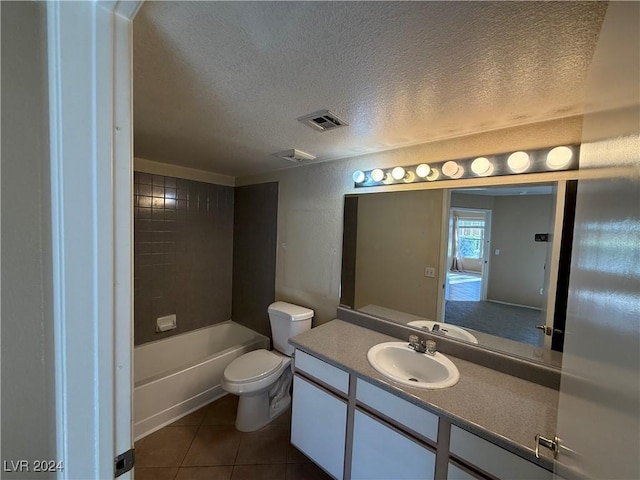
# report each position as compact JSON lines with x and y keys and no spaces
{"x":518,"y":162}
{"x":433,"y":175}
{"x":459,"y":173}
{"x":358,"y":176}
{"x":559,"y":157}
{"x":409,"y":177}
{"x":377,"y":175}
{"x":450,"y":168}
{"x":397,"y":173}
{"x":423,"y":170}
{"x":482,"y":166}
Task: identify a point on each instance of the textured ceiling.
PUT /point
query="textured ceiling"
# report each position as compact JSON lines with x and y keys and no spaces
{"x":218,"y":85}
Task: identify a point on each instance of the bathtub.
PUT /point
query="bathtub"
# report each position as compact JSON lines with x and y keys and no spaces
{"x":177,"y":375}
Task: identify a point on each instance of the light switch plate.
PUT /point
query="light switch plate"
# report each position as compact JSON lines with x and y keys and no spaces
{"x":429,"y":272}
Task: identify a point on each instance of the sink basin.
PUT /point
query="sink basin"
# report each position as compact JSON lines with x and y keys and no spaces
{"x":398,"y":362}
{"x":445,"y":329}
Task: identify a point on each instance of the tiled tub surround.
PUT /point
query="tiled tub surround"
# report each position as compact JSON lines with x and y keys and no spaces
{"x":183,"y":254}
{"x":505,"y":410}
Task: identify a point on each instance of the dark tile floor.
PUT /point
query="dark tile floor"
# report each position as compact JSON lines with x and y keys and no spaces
{"x":206,"y":445}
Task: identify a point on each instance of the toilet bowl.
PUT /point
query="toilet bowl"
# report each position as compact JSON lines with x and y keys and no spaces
{"x":262,"y":378}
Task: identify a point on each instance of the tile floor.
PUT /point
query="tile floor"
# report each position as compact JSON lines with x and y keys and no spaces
{"x":463,"y":287}
{"x":206,"y":445}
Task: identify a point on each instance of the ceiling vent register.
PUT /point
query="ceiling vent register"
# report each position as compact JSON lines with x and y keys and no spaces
{"x":295,"y":156}
{"x":323,"y":120}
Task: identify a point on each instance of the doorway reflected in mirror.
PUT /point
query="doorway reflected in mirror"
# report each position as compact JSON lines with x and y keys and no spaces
{"x":495,"y":279}
{"x":503,"y":281}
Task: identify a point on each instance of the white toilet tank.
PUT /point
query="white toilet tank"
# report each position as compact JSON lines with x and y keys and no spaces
{"x":288,"y":320}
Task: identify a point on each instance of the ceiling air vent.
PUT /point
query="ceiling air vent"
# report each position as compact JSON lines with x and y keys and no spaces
{"x":295,"y":156}
{"x":323,"y":120}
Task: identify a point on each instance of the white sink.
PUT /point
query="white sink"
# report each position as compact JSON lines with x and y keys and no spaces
{"x":398,"y":362}
{"x":446,"y":329}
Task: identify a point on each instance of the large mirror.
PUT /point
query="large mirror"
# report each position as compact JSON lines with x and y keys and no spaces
{"x":481,"y":265}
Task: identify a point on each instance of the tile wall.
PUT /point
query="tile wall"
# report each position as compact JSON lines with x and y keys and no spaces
{"x":183,"y":253}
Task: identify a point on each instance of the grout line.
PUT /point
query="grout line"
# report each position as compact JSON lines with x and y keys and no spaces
{"x":187,"y":452}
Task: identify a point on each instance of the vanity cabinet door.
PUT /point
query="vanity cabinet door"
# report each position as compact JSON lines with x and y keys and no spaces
{"x":380,"y":452}
{"x":456,"y":473}
{"x":318,"y":426}
{"x":491,"y":458}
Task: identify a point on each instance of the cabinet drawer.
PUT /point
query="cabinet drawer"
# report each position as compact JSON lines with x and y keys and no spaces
{"x":400,"y":411}
{"x":332,"y":376}
{"x":491,"y":458}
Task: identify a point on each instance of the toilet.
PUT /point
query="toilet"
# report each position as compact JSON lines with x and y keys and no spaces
{"x":262,"y":378}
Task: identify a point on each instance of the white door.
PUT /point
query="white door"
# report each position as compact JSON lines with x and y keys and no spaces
{"x":599,"y":414}
{"x":89,"y":58}
{"x":380,"y":452}
{"x":318,"y":425}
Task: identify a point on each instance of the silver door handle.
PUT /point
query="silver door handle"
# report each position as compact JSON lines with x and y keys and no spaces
{"x":547,"y":443}
{"x":548,"y":330}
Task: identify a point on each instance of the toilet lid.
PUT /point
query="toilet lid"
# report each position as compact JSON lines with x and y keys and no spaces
{"x":252,"y":366}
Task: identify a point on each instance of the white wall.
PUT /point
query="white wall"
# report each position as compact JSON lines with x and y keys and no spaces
{"x":517,"y":274}
{"x":28,"y":417}
{"x":311,"y":204}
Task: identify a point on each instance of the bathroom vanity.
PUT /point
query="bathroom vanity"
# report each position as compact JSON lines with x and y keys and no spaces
{"x":356,"y":424}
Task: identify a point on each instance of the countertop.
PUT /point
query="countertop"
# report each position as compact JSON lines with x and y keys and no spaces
{"x":501,"y":408}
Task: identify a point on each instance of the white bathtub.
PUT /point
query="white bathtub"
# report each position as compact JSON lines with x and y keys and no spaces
{"x":177,"y":375}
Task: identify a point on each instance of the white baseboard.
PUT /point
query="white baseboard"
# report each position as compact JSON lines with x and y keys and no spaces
{"x":515,"y":305}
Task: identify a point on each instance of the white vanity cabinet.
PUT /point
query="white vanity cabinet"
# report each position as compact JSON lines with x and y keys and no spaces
{"x":382,"y":452}
{"x":318,"y":421}
{"x":356,"y":430}
{"x":487,"y":457}
{"x":392,"y":438}
{"x":319,"y":412}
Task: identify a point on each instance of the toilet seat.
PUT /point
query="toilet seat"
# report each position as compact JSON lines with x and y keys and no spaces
{"x":252,"y":366}
{"x":253,"y":371}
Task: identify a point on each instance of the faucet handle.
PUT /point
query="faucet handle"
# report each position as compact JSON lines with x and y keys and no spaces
{"x":414,"y":340}
{"x":430,"y":347}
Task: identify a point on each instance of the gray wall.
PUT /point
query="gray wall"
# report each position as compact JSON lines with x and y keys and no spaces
{"x":311,"y":206}
{"x":517,"y":274}
{"x":254,"y":254}
{"x":399,"y":235}
{"x":183,"y":241}
{"x":28,"y":416}
{"x":465,"y":200}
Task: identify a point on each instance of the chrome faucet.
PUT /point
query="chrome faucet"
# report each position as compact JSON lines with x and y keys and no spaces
{"x":422,"y":346}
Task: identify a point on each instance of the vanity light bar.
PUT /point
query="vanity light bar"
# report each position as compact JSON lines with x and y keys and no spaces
{"x":513,"y":163}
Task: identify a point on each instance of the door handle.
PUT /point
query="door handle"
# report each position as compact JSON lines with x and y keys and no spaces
{"x":548,"y":330}
{"x":552,"y":445}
